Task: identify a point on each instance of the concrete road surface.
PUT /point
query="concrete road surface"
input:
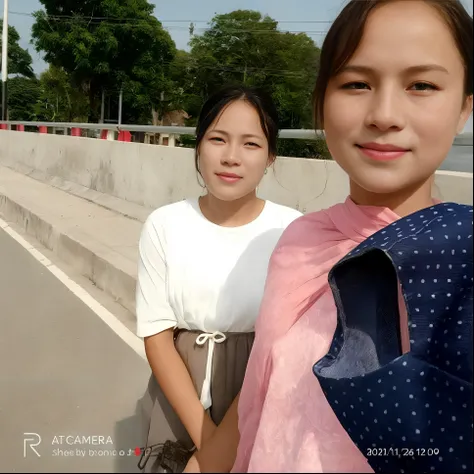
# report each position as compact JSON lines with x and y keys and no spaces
{"x":65,"y":377}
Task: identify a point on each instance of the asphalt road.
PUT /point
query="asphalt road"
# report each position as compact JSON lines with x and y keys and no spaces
{"x":65,"y":377}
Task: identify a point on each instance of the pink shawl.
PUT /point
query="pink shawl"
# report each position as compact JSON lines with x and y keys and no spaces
{"x":297,"y":282}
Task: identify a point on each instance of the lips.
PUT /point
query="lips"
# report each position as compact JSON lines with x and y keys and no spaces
{"x":382,"y":152}
{"x":229,"y":177}
{"x":382,"y":147}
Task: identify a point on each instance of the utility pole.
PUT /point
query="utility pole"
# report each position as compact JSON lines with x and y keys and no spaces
{"x":102,"y":107}
{"x":5,"y":60}
{"x":120,"y":107}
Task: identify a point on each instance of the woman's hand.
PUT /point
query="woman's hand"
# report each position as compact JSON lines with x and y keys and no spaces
{"x":193,"y":465}
{"x":219,"y":451}
{"x":177,"y":385}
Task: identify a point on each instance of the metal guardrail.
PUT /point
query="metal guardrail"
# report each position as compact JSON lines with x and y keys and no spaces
{"x":298,"y":134}
{"x":464,"y":139}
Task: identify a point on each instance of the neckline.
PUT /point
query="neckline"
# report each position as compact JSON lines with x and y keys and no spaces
{"x":359,"y":222}
{"x":194,"y":202}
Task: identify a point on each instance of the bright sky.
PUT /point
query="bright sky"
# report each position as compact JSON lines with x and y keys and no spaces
{"x":176,"y":17}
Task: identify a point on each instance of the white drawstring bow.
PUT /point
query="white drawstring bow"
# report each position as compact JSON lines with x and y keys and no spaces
{"x":213,"y":338}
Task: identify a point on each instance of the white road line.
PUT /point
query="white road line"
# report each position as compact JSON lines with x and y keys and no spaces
{"x":107,"y":317}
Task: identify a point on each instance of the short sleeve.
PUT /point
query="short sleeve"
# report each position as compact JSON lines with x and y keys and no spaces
{"x":154,"y":314}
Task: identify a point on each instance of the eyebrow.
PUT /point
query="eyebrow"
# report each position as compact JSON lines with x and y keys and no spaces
{"x":411,"y":70}
{"x":246,"y":135}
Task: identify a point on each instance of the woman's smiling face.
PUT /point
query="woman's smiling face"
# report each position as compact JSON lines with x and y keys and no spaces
{"x":391,"y":114}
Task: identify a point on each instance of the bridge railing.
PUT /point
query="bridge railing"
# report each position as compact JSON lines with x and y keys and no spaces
{"x":123,"y":132}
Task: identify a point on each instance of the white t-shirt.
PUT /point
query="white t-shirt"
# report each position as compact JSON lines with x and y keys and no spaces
{"x":194,"y":274}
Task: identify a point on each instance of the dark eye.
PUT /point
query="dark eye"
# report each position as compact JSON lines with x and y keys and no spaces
{"x":355,"y":85}
{"x":216,"y":139}
{"x":252,"y":144}
{"x":423,"y":86}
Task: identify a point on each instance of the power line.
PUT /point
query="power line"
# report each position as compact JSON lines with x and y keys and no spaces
{"x":86,"y":17}
{"x":129,"y":24}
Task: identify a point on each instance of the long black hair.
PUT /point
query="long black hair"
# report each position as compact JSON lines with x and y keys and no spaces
{"x":262,"y":103}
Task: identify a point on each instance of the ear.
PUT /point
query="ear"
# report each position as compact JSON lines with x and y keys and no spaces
{"x":271,"y":160}
{"x":465,"y":114}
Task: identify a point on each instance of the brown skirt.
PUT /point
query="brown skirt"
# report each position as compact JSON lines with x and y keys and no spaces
{"x":230,"y":359}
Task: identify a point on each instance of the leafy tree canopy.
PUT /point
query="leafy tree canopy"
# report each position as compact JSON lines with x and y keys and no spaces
{"x":246,"y":47}
{"x":106,"y":44}
{"x":19,"y":59}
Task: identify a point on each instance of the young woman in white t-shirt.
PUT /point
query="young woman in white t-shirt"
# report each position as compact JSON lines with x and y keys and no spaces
{"x":201,"y":276}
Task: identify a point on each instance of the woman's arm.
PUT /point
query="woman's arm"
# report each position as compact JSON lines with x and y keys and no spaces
{"x":219,"y":452}
{"x":155,"y":323}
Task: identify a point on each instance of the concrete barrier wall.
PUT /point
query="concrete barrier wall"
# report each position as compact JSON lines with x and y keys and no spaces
{"x":152,"y":175}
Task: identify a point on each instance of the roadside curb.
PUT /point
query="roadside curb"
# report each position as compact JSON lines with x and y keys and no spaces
{"x":96,"y":264}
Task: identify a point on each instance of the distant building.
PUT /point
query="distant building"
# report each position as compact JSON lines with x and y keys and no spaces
{"x":173,"y":118}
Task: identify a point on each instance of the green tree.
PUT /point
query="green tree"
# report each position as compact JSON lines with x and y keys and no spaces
{"x":180,"y":92}
{"x":59,"y":100}
{"x":245,"y":47}
{"x":23,"y":97}
{"x":19,"y":59}
{"x":107,"y":45}
{"x":235,"y":49}
{"x":23,"y":87}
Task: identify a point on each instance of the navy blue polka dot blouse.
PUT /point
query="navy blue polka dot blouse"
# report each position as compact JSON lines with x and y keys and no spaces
{"x":406,"y":412}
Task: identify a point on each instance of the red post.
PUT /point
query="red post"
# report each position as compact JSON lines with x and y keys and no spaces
{"x":43,"y":129}
{"x":20,"y":128}
{"x":103,"y":134}
{"x":75,"y":132}
{"x":124,"y":136}
{"x":3,"y":126}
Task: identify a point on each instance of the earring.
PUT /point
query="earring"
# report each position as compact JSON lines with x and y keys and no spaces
{"x":266,"y":170}
{"x":203,"y":186}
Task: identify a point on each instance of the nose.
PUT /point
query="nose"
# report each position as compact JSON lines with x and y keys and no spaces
{"x":386,"y":111}
{"x":231,"y":156}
